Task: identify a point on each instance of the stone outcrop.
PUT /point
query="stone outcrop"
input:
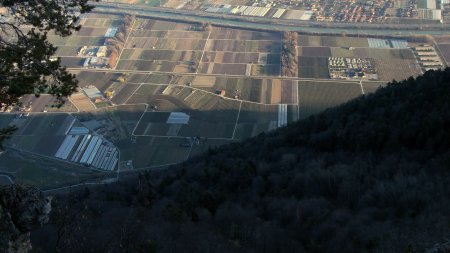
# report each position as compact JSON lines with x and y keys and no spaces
{"x":23,"y":208}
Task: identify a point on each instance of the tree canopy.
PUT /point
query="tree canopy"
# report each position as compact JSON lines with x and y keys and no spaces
{"x":27,"y":63}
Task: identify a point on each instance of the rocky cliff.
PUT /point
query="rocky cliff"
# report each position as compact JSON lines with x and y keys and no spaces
{"x":22,"y":208}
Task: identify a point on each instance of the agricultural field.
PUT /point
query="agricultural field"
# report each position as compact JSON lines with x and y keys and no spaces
{"x":40,"y":133}
{"x":314,"y":51}
{"x":216,"y":118}
{"x":117,"y":122}
{"x":316,"y":96}
{"x":267,"y":91}
{"x":162,"y":46}
{"x":313,"y":67}
{"x":395,"y":69}
{"x":148,"y":151}
{"x":331,"y":41}
{"x":72,"y":62}
{"x":390,"y":63}
{"x":43,"y":172}
{"x":206,"y":144}
{"x":73,"y":41}
{"x":124,"y":92}
{"x":383,"y":54}
{"x":101,"y":80}
{"x":255,"y":119}
{"x":444,"y":49}
{"x":100,"y":22}
{"x":241,"y":52}
{"x":82,"y":102}
{"x":67,"y":51}
{"x":225,"y":81}
{"x":371,"y":87}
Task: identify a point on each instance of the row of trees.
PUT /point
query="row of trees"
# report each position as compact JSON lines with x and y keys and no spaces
{"x":117,"y":42}
{"x":289,"y":65}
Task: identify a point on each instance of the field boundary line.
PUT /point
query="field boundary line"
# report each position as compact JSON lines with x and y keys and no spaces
{"x":137,"y":124}
{"x":7,"y":177}
{"x":78,"y":109}
{"x":180,"y":137}
{"x":203,"y":53}
{"x":126,"y":40}
{"x":131,"y":95}
{"x":362,"y":88}
{"x":237,"y":120}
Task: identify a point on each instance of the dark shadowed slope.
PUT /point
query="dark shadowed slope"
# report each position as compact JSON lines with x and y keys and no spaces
{"x":369,"y":176}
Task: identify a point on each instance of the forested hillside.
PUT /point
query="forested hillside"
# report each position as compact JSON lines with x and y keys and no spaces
{"x":372,"y":175}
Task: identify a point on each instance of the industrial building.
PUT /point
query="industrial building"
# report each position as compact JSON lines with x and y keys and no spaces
{"x":111,"y":32}
{"x":178,"y":118}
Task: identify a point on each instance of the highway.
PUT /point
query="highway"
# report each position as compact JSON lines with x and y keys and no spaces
{"x":307,"y":27}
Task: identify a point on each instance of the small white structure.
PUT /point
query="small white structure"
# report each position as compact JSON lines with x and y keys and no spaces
{"x":178,"y":118}
{"x":111,"y":32}
{"x":78,"y":130}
